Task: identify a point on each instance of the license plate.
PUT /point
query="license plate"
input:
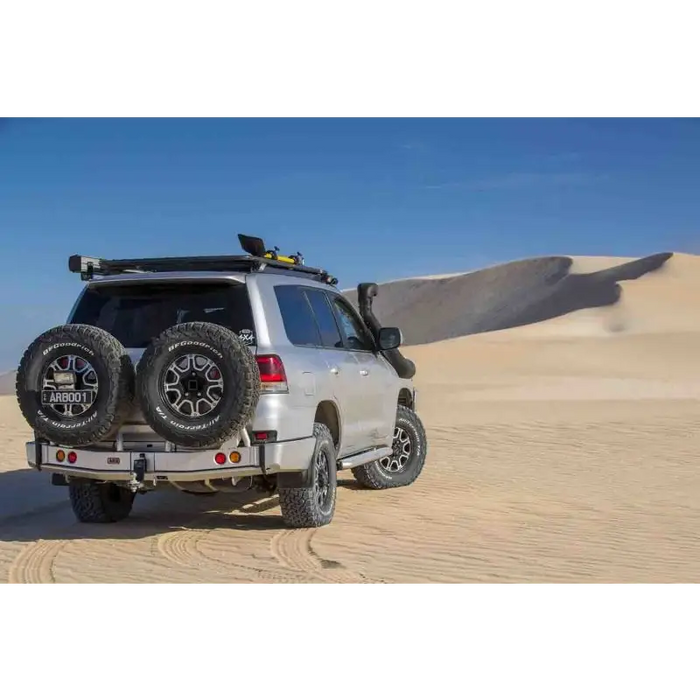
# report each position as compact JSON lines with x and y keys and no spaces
{"x":53,"y":397}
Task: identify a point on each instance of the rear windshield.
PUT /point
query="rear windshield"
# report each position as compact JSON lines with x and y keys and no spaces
{"x":135,"y":313}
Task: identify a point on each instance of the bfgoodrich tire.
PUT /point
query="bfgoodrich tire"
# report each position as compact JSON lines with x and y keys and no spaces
{"x":406,"y":462}
{"x":95,"y":502}
{"x":197,"y":384}
{"x":314,"y":504}
{"x":97,"y":363}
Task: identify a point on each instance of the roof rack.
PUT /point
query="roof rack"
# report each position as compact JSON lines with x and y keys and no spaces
{"x":258,"y":259}
{"x":90,"y":267}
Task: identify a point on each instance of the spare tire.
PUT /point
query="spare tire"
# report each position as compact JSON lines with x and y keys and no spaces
{"x":75,"y":385}
{"x":197,"y":384}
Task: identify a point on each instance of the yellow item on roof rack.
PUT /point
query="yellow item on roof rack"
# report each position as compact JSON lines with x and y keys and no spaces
{"x":256,"y":247}
{"x":291,"y":259}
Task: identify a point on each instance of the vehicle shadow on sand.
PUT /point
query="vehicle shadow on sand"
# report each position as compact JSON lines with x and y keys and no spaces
{"x":31,"y":509}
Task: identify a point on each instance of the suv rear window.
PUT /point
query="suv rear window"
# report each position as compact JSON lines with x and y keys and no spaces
{"x":308,"y":317}
{"x":297,"y":316}
{"x":135,"y":313}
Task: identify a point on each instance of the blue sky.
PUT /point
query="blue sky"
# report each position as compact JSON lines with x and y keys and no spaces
{"x":370,"y":199}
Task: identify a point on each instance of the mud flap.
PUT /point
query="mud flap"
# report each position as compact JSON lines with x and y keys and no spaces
{"x":38,"y":452}
{"x":295,"y":480}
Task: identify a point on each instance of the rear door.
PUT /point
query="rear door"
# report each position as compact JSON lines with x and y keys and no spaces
{"x":376,"y":379}
{"x":343,"y":370}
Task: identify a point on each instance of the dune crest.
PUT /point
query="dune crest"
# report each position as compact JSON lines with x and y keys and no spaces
{"x":534,"y":291}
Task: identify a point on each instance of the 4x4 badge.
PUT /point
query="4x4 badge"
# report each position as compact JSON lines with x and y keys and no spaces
{"x":114,"y":460}
{"x":246,"y":336}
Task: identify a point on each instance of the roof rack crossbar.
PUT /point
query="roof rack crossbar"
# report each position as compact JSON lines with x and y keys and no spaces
{"x":89,"y":267}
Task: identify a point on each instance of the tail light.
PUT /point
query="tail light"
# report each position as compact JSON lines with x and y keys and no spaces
{"x":272,"y":374}
{"x":262,"y":436}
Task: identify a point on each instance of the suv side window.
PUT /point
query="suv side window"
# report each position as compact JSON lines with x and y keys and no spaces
{"x":357,"y":336}
{"x":330,"y":335}
{"x":297,"y":316}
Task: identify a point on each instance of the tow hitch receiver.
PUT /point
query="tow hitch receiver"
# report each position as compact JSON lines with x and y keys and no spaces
{"x":140,"y":468}
{"x":139,"y":473}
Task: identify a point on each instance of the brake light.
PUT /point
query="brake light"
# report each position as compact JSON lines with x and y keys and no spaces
{"x":72,"y":457}
{"x":272,"y":374}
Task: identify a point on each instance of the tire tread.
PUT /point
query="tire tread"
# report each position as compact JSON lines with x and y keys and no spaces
{"x":91,"y":506}
{"x":372,"y":476}
{"x":220,"y":337}
{"x":299,"y":507}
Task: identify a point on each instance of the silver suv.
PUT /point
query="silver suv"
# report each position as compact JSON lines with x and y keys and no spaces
{"x":219,"y":374}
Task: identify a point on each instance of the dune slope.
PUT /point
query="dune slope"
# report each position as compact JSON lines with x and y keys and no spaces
{"x":505,"y":296}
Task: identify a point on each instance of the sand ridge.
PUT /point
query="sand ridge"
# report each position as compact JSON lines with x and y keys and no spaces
{"x":514,"y":294}
{"x":556,"y":454}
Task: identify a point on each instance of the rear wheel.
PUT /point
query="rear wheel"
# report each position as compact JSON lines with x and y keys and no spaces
{"x":403,"y":466}
{"x":96,"y":502}
{"x":314,"y":504}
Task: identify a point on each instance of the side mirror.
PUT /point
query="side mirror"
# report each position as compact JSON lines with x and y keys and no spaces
{"x":389,"y":338}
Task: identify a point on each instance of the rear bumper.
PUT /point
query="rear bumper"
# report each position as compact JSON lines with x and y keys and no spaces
{"x":270,"y":458}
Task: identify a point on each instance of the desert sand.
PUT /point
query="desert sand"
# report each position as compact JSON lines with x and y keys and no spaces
{"x":562,"y":416}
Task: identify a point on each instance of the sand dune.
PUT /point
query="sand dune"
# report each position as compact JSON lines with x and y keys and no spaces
{"x":505,"y":296}
{"x":7,"y":383}
{"x":561,"y":450}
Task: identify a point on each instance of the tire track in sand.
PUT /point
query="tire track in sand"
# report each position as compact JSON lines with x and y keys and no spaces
{"x":182,"y":548}
{"x":294,"y":550}
{"x":34,"y":564}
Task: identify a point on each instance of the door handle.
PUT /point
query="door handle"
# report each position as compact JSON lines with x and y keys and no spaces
{"x":364,"y":372}
{"x":334,"y":370}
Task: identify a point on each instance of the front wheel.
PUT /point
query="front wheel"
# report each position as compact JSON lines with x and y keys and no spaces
{"x":403,"y":466}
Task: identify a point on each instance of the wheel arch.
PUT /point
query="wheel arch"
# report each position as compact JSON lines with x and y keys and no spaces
{"x":327,"y":413}
{"x":405,"y":398}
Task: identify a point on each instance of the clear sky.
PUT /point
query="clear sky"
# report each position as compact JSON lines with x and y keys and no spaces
{"x":370,"y":199}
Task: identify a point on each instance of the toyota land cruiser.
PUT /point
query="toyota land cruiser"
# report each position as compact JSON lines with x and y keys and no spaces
{"x":218,"y":374}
